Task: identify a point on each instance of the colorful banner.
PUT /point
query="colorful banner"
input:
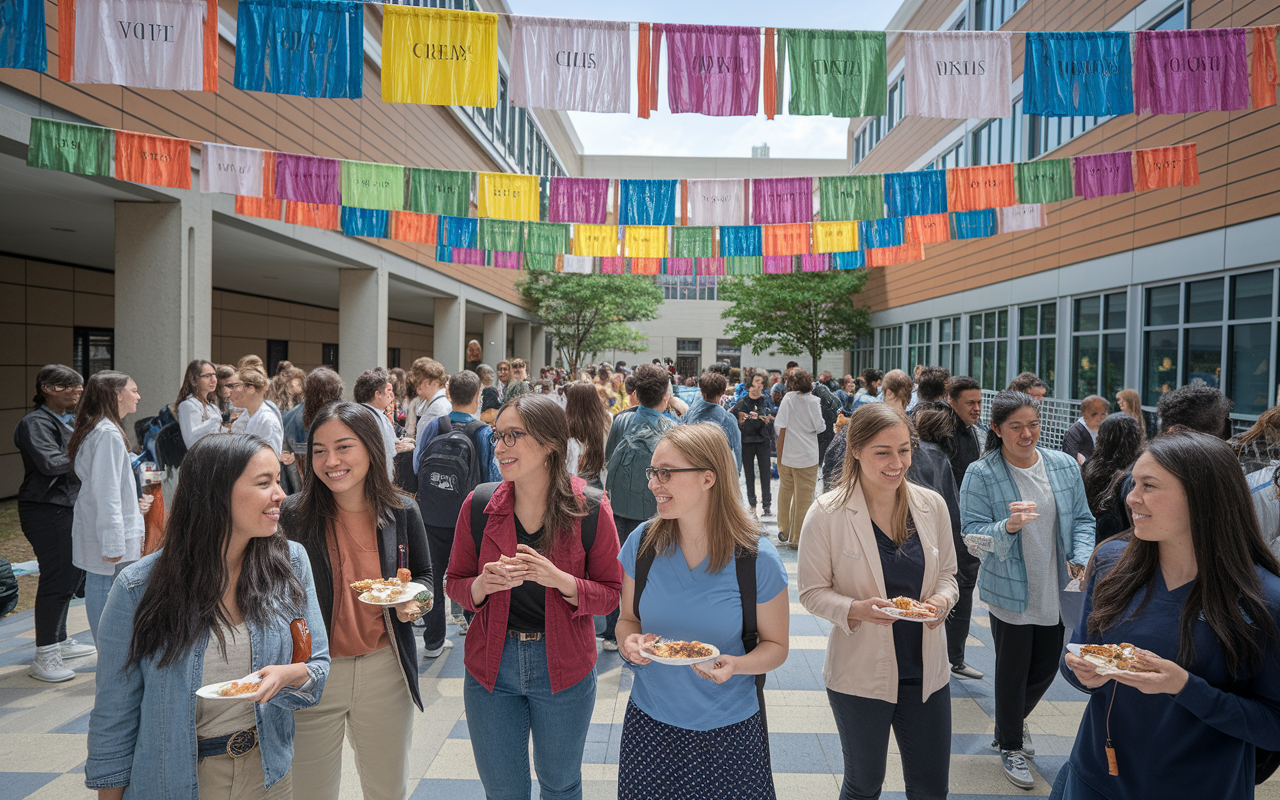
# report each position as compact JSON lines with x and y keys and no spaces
{"x":742,"y":265}
{"x":972,"y":188}
{"x":716,"y":202}
{"x":1264,"y":74}
{"x":775,"y":201}
{"x":546,"y":238}
{"x":22,"y":39}
{"x":1026,"y":217}
{"x":308,"y":179}
{"x":777,"y":265}
{"x":570,"y":64}
{"x":231,"y":170}
{"x":644,"y":241}
{"x":67,"y":147}
{"x":785,"y":240}
{"x":613,"y":265}
{"x":891,"y":256}
{"x":150,"y":44}
{"x":579,"y":200}
{"x":1071,"y":74}
{"x":973,"y":224}
{"x":581,"y":265}
{"x":817,"y":262}
{"x":958,"y":74}
{"x":154,"y":160}
{"x":850,"y":197}
{"x":688,"y":242}
{"x":504,"y":235}
{"x":456,"y":239}
{"x":841,"y":73}
{"x":929,"y":229}
{"x":878,"y":233}
{"x":369,"y":185}
{"x":504,"y":260}
{"x":741,"y":241}
{"x":678,"y":266}
{"x":536,"y":262}
{"x":595,"y":240}
{"x":407,"y":226}
{"x":711,"y":266}
{"x":1046,"y":181}
{"x":260,"y":207}
{"x":369,"y":222}
{"x":313,"y":215}
{"x":713,"y":70}
{"x":439,"y":57}
{"x":915,"y":194}
{"x":440,"y":191}
{"x":647,"y":202}
{"x":309,"y":48}
{"x":646,"y":266}
{"x":854,"y":260}
{"x":508,"y":196}
{"x":1164,"y":167}
{"x":1104,"y":174}
{"x":1183,"y":72}
{"x":835,"y":237}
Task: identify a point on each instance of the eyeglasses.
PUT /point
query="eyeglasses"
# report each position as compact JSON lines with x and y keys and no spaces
{"x":509,"y":439}
{"x":664,"y":475}
{"x":234,"y":385}
{"x":208,"y":375}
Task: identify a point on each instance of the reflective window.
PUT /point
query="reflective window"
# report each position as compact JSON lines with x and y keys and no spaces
{"x":989,"y":348}
{"x":949,"y":344}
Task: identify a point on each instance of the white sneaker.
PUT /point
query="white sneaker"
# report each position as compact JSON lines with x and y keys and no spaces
{"x":70,"y":648}
{"x":1016,"y":769}
{"x":48,"y":667}
{"x":609,"y":644}
{"x":436,"y":653}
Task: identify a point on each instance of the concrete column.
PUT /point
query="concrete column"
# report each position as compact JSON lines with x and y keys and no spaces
{"x":494,"y":341}
{"x":450,"y":330}
{"x":524,"y":346}
{"x":164,"y":293}
{"x":362,"y":322}
{"x":539,"y":346}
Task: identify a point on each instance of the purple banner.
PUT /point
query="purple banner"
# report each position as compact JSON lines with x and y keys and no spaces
{"x":778,"y":264}
{"x":1104,"y":174}
{"x":507,"y":260}
{"x":308,"y":179}
{"x":711,"y":266}
{"x":470,"y":255}
{"x":713,"y":70}
{"x":1184,"y":72}
{"x":679,"y":266}
{"x":578,"y":200}
{"x":815,"y":262}
{"x":775,"y":201}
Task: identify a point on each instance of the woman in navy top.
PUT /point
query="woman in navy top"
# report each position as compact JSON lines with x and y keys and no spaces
{"x":697,"y":732}
{"x":1198,"y":591}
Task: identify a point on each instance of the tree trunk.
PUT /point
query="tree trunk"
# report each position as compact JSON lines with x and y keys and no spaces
{"x":814,"y":356}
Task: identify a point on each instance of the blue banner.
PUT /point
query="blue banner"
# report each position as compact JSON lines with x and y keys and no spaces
{"x":852,"y":260}
{"x":365,"y":222}
{"x":454,"y":232}
{"x":310,"y":48}
{"x":741,"y":240}
{"x":22,"y":42}
{"x":973,"y":224}
{"x":1071,"y":74}
{"x":915,"y":194}
{"x":647,"y":203}
{"x":876,"y":233}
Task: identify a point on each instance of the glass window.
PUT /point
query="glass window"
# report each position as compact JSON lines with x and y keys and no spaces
{"x":1161,"y":357}
{"x":1162,"y":305}
{"x":1250,"y":348}
{"x":1085,"y":360}
{"x":863,"y":356}
{"x":1204,"y":356}
{"x":949,"y":344}
{"x":1204,"y":300}
{"x":1251,"y":295}
{"x":1037,"y":346}
{"x":1086,"y":313}
{"x":890,"y":356}
{"x":1113,"y":366}
{"x":1116,"y":313}
{"x":919,"y":336}
{"x":1027,"y":315}
{"x":989,"y":348}
{"x":1094,"y":370}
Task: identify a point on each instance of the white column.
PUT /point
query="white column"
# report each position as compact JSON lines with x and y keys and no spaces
{"x":494,"y":342}
{"x":523,"y":346}
{"x":539,"y":347}
{"x":450,"y":332}
{"x":362,"y":322}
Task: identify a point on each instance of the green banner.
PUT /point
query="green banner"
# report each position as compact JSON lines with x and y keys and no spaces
{"x":1044,"y":181}
{"x":368,"y":185}
{"x":541,"y":261}
{"x":499,"y":234}
{"x":697,"y":242}
{"x":841,"y":73}
{"x":65,"y":146}
{"x":545,"y":238}
{"x":851,"y":197}
{"x":440,"y":191}
{"x":743,"y":265}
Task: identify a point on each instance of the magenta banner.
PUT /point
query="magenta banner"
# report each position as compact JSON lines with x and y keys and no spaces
{"x":470,"y":255}
{"x":711,"y":266}
{"x":1183,"y":72}
{"x":1104,"y":174}
{"x":778,"y":264}
{"x":612,"y":265}
{"x":507,"y":260}
{"x":775,"y":201}
{"x":578,"y":200}
{"x":713,"y":70}
{"x":679,"y":266}
{"x":308,"y":179}
{"x":815,"y":262}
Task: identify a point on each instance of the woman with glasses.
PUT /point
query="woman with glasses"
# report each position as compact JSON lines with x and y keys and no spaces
{"x":1031,"y":501}
{"x":198,"y":412}
{"x":249,"y":391}
{"x":533,"y":580}
{"x":698,"y":732}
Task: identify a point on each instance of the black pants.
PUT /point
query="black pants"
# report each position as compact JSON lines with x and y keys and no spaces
{"x":754,"y":453}
{"x":1026,"y":663}
{"x":923,"y":731}
{"x":440,"y":543}
{"x":48,"y":527}
{"x":957,"y":624}
{"x":625,"y":526}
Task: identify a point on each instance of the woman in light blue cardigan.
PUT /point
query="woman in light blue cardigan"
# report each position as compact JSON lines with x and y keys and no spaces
{"x":1031,"y":502}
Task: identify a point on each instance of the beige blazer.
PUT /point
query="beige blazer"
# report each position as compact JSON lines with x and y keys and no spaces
{"x":840,"y":563}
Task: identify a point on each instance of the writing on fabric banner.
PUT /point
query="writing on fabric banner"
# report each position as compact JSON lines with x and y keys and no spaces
{"x":150,"y":44}
{"x":1182,"y":72}
{"x":928,"y":229}
{"x":440,"y":191}
{"x":972,"y":188}
{"x":232,"y":170}
{"x":786,"y":240}
{"x":308,"y":179}
{"x":647,"y":202}
{"x":891,"y":256}
{"x":369,"y":185}
{"x":716,"y":202}
{"x":1044,"y":181}
{"x":310,"y":49}
{"x":914,"y":194}
{"x":958,"y":74}
{"x":713,"y":70}
{"x":436,"y":56}
{"x":1164,"y":167}
{"x":1025,"y":217}
{"x":878,"y":233}
{"x":154,"y":160}
{"x":645,"y":241}
{"x":850,"y":197}
{"x":778,"y":200}
{"x":835,"y":237}
{"x":266,"y":206}
{"x":841,"y":73}
{"x":570,"y":64}
{"x":579,"y":200}
{"x":508,"y":196}
{"x":687,"y":242}
{"x":22,"y":39}
{"x":1070,"y":73}
{"x":1103,"y":174}
{"x":595,"y":240}
{"x":68,"y":147}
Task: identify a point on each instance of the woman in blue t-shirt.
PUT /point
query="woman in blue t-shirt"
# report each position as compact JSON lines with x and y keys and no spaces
{"x":1198,"y":592}
{"x":697,"y":732}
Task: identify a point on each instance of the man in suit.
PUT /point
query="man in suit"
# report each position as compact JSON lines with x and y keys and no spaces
{"x":1079,"y":439}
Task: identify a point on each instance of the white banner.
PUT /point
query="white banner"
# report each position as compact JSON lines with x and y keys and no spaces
{"x":1025,"y":217}
{"x":231,"y":170}
{"x":958,"y":74}
{"x":717,"y":202}
{"x":150,"y":44}
{"x":579,"y":264}
{"x":571,"y":64}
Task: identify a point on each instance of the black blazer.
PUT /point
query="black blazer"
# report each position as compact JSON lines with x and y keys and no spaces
{"x":1077,"y":440}
{"x":42,"y":440}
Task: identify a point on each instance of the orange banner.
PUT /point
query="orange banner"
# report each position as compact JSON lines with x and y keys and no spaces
{"x":154,"y":160}
{"x":889,"y":256}
{"x":261,"y":207}
{"x":406,"y":226}
{"x":786,"y":240}
{"x":770,"y":76}
{"x":313,"y":215}
{"x":646,"y":266}
{"x":642,"y":71}
{"x":975,"y":188}
{"x":1162,"y":167}
{"x":1264,"y":75}
{"x":211,"y":46}
{"x":928,"y":229}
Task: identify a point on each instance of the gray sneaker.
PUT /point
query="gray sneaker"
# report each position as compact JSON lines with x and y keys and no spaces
{"x":1028,"y":749}
{"x":48,"y":667}
{"x":70,"y":648}
{"x":439,"y":651}
{"x":1016,"y":769}
{"x":966,"y":671}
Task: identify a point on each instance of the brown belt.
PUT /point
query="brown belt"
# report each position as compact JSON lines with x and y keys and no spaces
{"x":526,"y":637}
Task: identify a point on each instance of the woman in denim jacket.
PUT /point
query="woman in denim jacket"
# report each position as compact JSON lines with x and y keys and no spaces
{"x":228,"y":593}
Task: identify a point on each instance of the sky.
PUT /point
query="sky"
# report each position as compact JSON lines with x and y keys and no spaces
{"x":665,"y":134}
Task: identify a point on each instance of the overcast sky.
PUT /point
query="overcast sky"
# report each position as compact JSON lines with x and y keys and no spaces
{"x":665,"y":134}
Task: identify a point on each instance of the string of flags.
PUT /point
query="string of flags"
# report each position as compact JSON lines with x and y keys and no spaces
{"x":314,"y":48}
{"x":674,"y":227}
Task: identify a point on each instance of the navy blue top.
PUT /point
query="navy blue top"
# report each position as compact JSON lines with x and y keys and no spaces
{"x":1199,"y":743}
{"x":903,"y":569}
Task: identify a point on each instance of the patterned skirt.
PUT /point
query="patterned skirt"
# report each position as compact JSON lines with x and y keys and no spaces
{"x":662,"y":762}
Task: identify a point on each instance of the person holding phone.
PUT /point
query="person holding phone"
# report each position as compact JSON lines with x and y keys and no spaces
{"x":754,"y":413}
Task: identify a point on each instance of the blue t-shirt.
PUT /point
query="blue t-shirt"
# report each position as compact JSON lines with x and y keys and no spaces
{"x":678,"y":696}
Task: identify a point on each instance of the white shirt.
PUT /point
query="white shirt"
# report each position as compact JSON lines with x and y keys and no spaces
{"x":388,"y":439}
{"x":265,"y":424}
{"x":438,"y":407}
{"x":107,"y":522}
{"x":197,"y":419}
{"x":801,"y":416}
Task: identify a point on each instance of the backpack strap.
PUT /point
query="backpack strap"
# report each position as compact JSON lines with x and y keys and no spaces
{"x":745,"y":565}
{"x":644,"y":561}
{"x":592,"y":520}
{"x":479,"y":499}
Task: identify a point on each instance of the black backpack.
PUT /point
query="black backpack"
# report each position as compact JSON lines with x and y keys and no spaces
{"x":170,"y":448}
{"x":448,"y":469}
{"x":480,"y":498}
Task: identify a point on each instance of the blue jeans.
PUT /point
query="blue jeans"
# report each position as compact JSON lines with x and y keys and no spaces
{"x":96,"y":589}
{"x":522,"y":703}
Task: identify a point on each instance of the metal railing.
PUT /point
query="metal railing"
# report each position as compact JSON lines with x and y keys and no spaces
{"x":1055,"y":417}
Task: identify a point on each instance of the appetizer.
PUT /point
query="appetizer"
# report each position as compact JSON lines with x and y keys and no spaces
{"x":913,"y":608}
{"x":681,"y":650}
{"x":237,"y":688}
{"x":1116,"y":656}
{"x":384,"y":590}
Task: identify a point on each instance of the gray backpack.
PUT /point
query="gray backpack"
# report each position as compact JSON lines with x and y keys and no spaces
{"x":629,"y":461}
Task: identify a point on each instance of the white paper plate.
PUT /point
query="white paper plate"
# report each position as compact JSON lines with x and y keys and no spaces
{"x":210,"y":692}
{"x":898,"y":613}
{"x":411,"y":591}
{"x":1103,"y":669}
{"x":682,"y":662}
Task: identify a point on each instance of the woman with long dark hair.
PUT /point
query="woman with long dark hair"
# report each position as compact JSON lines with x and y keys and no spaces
{"x":1198,"y":593}
{"x":1120,"y":441}
{"x":531,"y":648}
{"x":198,"y":412}
{"x":589,"y":423}
{"x":354,"y":526}
{"x":226,"y":597}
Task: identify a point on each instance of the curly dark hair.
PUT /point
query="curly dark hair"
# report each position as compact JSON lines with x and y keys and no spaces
{"x":1196,"y":407}
{"x":932,"y":383}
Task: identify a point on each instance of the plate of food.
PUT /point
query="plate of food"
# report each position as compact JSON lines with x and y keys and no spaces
{"x":243,"y":689}
{"x":1110,"y":659}
{"x":680,"y":653}
{"x":908,"y":609}
{"x":391,"y":591}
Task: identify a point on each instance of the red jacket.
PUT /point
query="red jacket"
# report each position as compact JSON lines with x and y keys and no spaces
{"x":570,"y":631}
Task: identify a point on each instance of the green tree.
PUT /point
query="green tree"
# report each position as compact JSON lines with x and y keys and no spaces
{"x":589,"y":313}
{"x":803,"y":312}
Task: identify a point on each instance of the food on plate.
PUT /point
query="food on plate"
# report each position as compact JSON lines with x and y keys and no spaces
{"x":681,"y":650}
{"x":913,"y":608}
{"x":404,"y":576}
{"x":383,"y":590}
{"x":237,"y":688}
{"x":1117,"y":656}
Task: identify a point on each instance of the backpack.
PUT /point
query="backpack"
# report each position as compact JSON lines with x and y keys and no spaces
{"x":170,"y":448}
{"x":480,"y":498}
{"x":448,"y":469}
{"x":630,"y":459}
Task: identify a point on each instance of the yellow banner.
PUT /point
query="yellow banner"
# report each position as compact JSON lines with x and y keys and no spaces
{"x":645,"y":241}
{"x":595,"y":240}
{"x":835,"y":237}
{"x":507,"y":196}
{"x":439,"y":57}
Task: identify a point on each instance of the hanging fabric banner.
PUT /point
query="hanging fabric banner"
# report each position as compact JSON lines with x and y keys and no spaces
{"x":785,"y":240}
{"x":835,"y":237}
{"x":710,"y":266}
{"x":1022,"y":218}
{"x":613,"y":265}
{"x":877,"y":233}
{"x":777,"y":265}
{"x":851,"y":197}
{"x":365,"y":222}
{"x":500,"y":234}
{"x":890,"y":256}
{"x":1047,"y":181}
{"x":309,"y":179}
{"x":570,"y":64}
{"x":1163,"y":167}
{"x":688,"y":242}
{"x":742,"y":265}
{"x":265,"y":205}
{"x":454,"y":237}
{"x":579,"y":200}
{"x":439,"y":191}
{"x":407,"y":226}
{"x":958,"y":74}
{"x":713,"y":70}
{"x":914,"y":194}
{"x":230,"y":170}
{"x":313,"y":215}
{"x":929,"y":229}
{"x":595,"y":240}
{"x":644,"y":241}
{"x":648,"y":203}
{"x":973,"y":224}
{"x":67,"y":147}
{"x":434,"y":56}
{"x":150,"y":44}
{"x":545,"y":238}
{"x":581,"y":265}
{"x":741,"y":240}
{"x":369,"y":185}
{"x":841,"y":73}
{"x":646,"y":266}
{"x":853,"y":260}
{"x":775,"y":201}
{"x":770,"y":75}
{"x":22,"y":39}
{"x":716,"y":202}
{"x":502,"y":194}
{"x":309,"y":48}
{"x":505,"y":260}
{"x":1264,"y":74}
{"x":678,"y":266}
{"x":1071,"y":74}
{"x":535,"y":262}
{"x":1104,"y":174}
{"x":470,"y":255}
{"x":154,"y":160}
{"x":1183,"y":72}
{"x":817,"y":262}
{"x":971,"y":188}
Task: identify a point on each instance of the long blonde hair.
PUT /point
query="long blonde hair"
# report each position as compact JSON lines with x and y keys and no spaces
{"x":866,"y":424}
{"x":729,"y":529}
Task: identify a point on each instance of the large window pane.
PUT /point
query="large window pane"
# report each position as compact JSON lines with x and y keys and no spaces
{"x":975,"y":361}
{"x":1048,"y":319}
{"x":1027,"y":355}
{"x":1047,"y":370}
{"x":1162,"y":365}
{"x":1113,"y":365}
{"x":989,"y":366}
{"x":1250,"y":359}
{"x":1084,"y":363}
{"x":989,"y":325}
{"x":1115,"y":314}
{"x":1204,"y":356}
{"x":1204,"y":300}
{"x":1162,"y":305}
{"x":1002,"y":362}
{"x":944,"y":330}
{"x":1002,"y":325}
{"x":1027,"y":321}
{"x":975,"y":326}
{"x":1251,"y":295}
{"x":1086,"y":314}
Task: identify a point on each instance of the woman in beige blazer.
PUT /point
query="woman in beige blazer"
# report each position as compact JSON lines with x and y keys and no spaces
{"x":873,"y":537}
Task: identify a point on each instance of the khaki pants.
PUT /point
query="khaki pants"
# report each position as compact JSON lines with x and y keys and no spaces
{"x":795,"y":494}
{"x":227,"y":778}
{"x":366,"y":700}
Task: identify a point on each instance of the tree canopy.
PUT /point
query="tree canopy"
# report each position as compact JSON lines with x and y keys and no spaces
{"x":589,"y":313}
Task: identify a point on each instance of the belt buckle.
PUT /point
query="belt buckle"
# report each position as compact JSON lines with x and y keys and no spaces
{"x":242,"y":743}
{"x":525,"y":637}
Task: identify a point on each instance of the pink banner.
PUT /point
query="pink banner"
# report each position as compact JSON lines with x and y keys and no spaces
{"x":679,"y":266}
{"x":309,"y":179}
{"x":579,"y":200}
{"x":1104,"y":174}
{"x":713,"y":70}
{"x":612,"y":265}
{"x":711,"y":266}
{"x":470,"y":255}
{"x":815,"y":262}
{"x":506,"y":260}
{"x":1183,"y":72}
{"x":778,"y":264}
{"x":779,"y":200}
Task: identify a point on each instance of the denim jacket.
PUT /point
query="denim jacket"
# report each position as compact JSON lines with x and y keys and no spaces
{"x":984,"y":507}
{"x":142,"y":731}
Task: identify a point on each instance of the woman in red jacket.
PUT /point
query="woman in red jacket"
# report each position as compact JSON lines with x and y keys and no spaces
{"x":531,"y":649}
